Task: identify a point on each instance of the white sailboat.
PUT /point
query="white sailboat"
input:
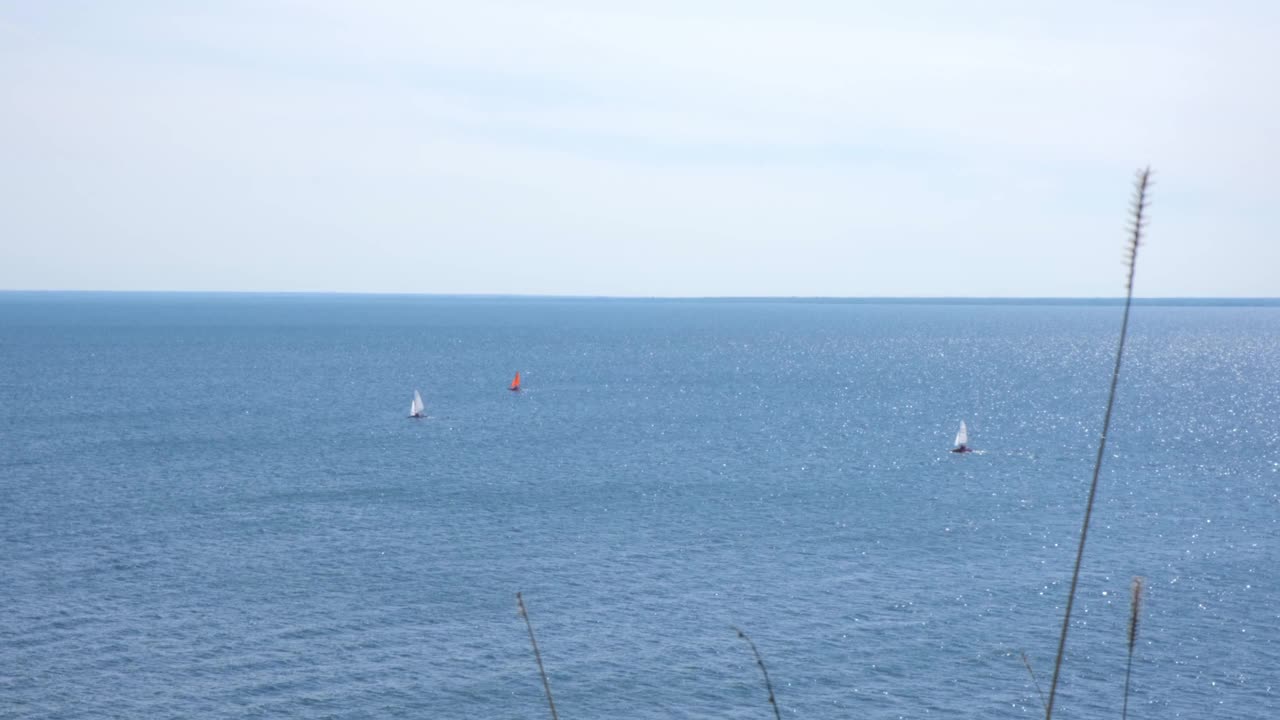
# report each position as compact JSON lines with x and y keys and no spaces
{"x":416,"y":408}
{"x":962,"y":440}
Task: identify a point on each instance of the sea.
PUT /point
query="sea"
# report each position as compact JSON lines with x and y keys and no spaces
{"x":215,"y":506}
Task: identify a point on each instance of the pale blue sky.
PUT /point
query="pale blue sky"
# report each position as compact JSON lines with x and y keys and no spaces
{"x":916,"y":148}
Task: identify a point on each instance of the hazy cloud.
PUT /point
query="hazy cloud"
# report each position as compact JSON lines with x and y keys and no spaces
{"x":689,"y":149}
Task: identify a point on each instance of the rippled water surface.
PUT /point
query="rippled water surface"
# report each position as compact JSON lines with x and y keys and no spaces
{"x":215,"y":507}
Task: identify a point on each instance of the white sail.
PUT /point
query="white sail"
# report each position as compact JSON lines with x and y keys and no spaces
{"x":962,"y":437}
{"x":416,"y":407}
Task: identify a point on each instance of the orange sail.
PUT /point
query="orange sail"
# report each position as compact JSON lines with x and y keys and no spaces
{"x":515,"y":384}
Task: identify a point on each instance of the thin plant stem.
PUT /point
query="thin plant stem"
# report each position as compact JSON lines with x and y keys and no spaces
{"x":1034,"y":681}
{"x":551,"y":703}
{"x":1135,"y":605}
{"x":760,"y":661}
{"x":1137,"y":208}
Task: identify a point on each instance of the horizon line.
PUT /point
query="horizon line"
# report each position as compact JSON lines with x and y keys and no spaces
{"x":569,"y":296}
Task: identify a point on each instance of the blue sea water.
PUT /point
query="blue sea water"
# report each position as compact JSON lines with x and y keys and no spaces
{"x":214,"y":506}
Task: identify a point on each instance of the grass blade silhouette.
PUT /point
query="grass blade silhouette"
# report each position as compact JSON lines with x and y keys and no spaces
{"x":1034,"y":681}
{"x":551,"y":703}
{"x":1135,"y":606}
{"x":1138,"y":220}
{"x":760,"y":661}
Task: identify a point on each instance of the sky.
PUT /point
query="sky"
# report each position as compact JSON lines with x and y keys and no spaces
{"x":916,"y":148}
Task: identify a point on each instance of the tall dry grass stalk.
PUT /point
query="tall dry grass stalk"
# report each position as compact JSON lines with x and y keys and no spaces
{"x":1135,"y":609}
{"x":1137,"y":221}
{"x":551,"y":703}
{"x":1034,"y":681}
{"x":760,"y":661}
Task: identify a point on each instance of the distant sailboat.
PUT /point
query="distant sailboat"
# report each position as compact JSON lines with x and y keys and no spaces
{"x":416,"y":408}
{"x":515,"y":384}
{"x":962,"y":440}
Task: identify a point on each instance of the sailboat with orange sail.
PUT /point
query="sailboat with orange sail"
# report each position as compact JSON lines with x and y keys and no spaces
{"x":515,"y":384}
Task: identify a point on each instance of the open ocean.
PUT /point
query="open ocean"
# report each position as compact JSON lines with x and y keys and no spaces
{"x":214,"y":506}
